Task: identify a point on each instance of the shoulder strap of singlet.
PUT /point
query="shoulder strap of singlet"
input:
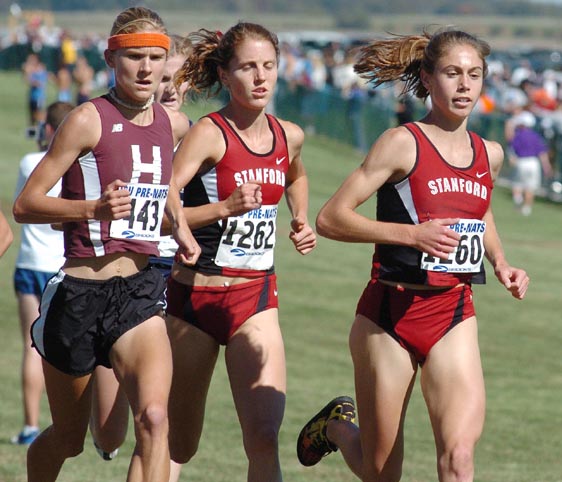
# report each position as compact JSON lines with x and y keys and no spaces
{"x":480,"y":150}
{"x":414,"y":129}
{"x":477,"y":140}
{"x":277,"y":128}
{"x":219,"y":120}
{"x":160,"y":109}
{"x":160,"y":112}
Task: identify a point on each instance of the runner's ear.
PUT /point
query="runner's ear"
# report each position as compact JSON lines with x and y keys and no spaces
{"x":109,"y":58}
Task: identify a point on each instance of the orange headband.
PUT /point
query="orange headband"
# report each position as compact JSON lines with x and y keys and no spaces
{"x":144,"y":39}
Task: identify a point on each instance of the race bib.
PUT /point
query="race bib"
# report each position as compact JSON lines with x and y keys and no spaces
{"x":147,"y":211}
{"x":248,"y":240}
{"x":468,"y":255}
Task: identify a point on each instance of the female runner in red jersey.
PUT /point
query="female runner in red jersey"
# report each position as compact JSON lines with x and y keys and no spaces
{"x":235,"y":164}
{"x":434,"y":224}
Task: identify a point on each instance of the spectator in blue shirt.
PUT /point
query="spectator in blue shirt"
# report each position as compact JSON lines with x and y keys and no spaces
{"x":37,"y":77}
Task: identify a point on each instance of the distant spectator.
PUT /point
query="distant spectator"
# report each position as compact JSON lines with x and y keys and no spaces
{"x":512,"y":99}
{"x":550,"y":83}
{"x":343,"y":73}
{"x":36,"y":76}
{"x":84,"y":77}
{"x":539,"y":97}
{"x":480,"y":120}
{"x":6,"y":235}
{"x":404,"y":105}
{"x":68,"y":51}
{"x":318,"y":73}
{"x":486,"y":103}
{"x":528,"y":153}
{"x":355,"y":105}
{"x":524,"y":71}
{"x":40,"y":257}
{"x":68,"y":55}
{"x":64,"y":85}
{"x":291,"y":65}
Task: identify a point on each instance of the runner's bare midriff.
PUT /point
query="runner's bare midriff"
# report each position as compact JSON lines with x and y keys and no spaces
{"x":190,"y":277}
{"x":105,"y":267}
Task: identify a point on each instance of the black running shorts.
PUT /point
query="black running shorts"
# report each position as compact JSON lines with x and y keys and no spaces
{"x":80,"y":319}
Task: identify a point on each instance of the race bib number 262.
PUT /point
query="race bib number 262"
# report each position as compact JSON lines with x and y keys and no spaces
{"x":248,"y":240}
{"x":468,"y":255}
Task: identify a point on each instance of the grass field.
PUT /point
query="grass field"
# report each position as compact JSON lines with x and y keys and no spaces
{"x":520,"y":343}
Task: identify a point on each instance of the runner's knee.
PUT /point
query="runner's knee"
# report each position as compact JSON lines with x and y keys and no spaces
{"x":182,"y":451}
{"x":458,"y":462}
{"x":69,"y":443}
{"x":263,"y":438}
{"x":153,"y":419}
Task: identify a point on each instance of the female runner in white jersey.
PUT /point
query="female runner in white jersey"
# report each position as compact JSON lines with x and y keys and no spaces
{"x":235,"y":165}
{"x":105,"y":305}
{"x":434,"y":224}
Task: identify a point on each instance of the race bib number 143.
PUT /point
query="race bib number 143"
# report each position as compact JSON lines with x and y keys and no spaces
{"x":468,"y":255}
{"x":147,"y":210}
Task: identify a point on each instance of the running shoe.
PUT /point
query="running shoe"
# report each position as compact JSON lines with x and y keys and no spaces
{"x":26,"y":436}
{"x":106,"y":455}
{"x":313,"y":444}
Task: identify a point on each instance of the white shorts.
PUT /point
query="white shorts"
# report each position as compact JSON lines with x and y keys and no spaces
{"x":527,"y":173}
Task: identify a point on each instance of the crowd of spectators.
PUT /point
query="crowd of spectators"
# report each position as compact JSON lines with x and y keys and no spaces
{"x":46,"y":52}
{"x":516,"y":82}
{"x":322,"y":63}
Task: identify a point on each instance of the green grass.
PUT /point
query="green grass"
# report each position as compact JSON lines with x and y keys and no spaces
{"x":520,"y":343}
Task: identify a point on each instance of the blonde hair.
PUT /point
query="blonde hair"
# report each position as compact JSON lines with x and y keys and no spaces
{"x":403,"y":57}
{"x":137,"y":19}
{"x":179,"y":45}
{"x":213,"y":49}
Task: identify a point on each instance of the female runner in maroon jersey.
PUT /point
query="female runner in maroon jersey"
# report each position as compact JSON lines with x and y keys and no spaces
{"x":235,"y":164}
{"x":104,"y":307}
{"x":110,"y":410}
{"x":434,"y":224}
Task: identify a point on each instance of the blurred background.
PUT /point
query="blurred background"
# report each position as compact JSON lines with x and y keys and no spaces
{"x":318,"y":37}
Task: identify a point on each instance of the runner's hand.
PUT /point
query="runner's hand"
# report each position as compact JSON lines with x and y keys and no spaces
{"x":436,"y":238}
{"x":515,"y":280}
{"x":302,"y":236}
{"x":244,"y":198}
{"x":189,"y":250}
{"x":114,"y":203}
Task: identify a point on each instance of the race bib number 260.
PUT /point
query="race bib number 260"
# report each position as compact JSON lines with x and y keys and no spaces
{"x":147,"y":210}
{"x":468,"y":255}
